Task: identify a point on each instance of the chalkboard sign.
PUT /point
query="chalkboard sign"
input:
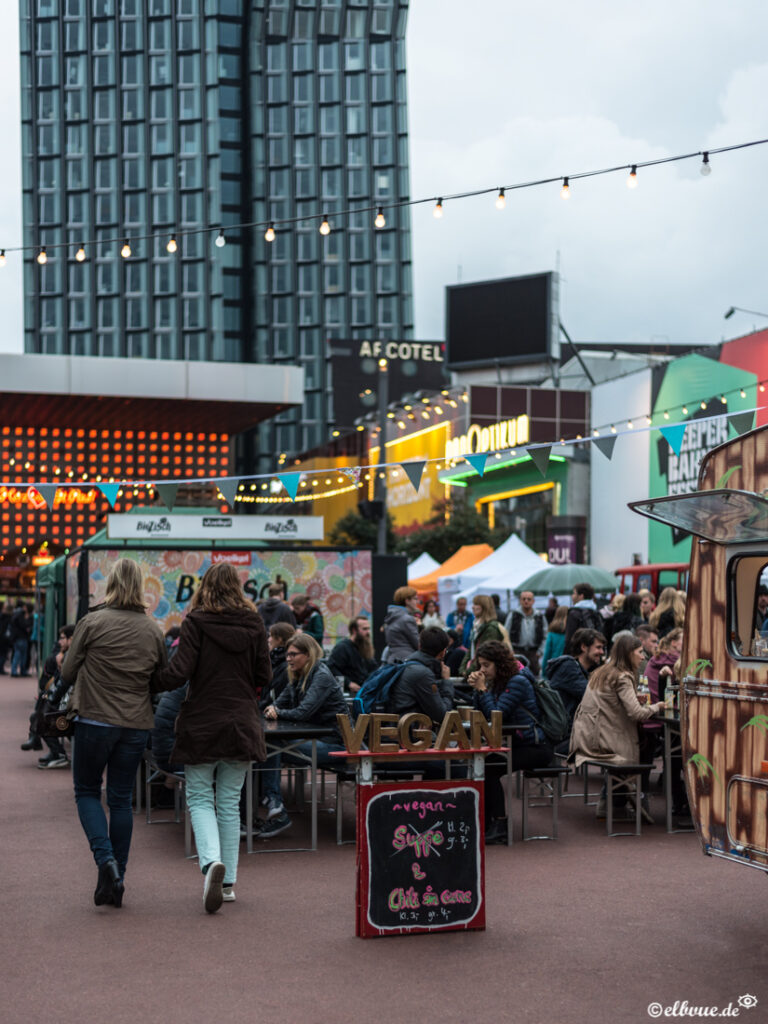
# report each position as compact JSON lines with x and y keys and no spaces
{"x":420,"y":857}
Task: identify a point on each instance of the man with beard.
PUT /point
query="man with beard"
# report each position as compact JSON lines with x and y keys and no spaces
{"x":569,"y":674}
{"x":352,"y":657}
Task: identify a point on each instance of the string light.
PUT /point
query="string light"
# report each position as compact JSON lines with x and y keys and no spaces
{"x":220,"y":239}
{"x":743,"y":393}
{"x":666,"y":414}
{"x":172,"y":244}
{"x":125,"y":252}
{"x":325,"y":227}
{"x":269,"y":234}
{"x":380,"y":219}
{"x":630,"y":424}
{"x":2,"y":258}
{"x":437,"y":213}
{"x":723,"y":399}
{"x":80,"y":254}
{"x":705,"y":168}
{"x":703,"y":404}
{"x":685,"y":410}
{"x":501,"y":202}
{"x":613,"y":429}
{"x":42,"y":257}
{"x":632,"y":179}
{"x":565,"y":191}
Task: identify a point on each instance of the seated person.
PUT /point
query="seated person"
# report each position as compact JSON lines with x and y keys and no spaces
{"x":455,"y":653}
{"x":423,"y":685}
{"x":352,"y":657}
{"x":278,"y":637}
{"x":661,"y":670}
{"x":501,"y":683}
{"x":569,"y":674}
{"x":312,"y":695}
{"x":309,"y":618}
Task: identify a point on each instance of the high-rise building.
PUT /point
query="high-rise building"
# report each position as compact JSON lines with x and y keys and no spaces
{"x":167,"y":124}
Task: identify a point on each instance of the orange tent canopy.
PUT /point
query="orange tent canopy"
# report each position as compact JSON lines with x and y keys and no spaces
{"x":469,"y":554}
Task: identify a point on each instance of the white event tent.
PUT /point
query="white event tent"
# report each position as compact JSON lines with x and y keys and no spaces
{"x":422,"y":566}
{"x":499,"y":573}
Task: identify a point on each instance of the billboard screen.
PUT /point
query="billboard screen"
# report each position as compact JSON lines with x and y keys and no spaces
{"x":510,"y":320}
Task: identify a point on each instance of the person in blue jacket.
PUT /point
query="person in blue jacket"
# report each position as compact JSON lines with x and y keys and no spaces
{"x":501,"y":683}
{"x":461,"y":620}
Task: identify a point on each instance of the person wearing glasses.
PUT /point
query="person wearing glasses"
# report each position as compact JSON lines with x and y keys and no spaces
{"x":313,"y":694}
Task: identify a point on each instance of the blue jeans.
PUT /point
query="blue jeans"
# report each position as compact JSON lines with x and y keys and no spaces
{"x":270,"y":773}
{"x":216,"y":819}
{"x":95,"y":748}
{"x":19,"y":660}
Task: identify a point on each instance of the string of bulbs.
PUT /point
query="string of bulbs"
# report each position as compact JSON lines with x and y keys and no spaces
{"x":380,"y":220}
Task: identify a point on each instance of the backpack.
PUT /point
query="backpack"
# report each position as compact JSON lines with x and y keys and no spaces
{"x":590,"y":618}
{"x":553,"y":718}
{"x":372,"y":695}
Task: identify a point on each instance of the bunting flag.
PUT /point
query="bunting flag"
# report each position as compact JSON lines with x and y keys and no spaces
{"x":353,"y":472}
{"x":167,"y":494}
{"x":290,"y":482}
{"x":741,"y":422}
{"x":477,"y":462}
{"x":414,"y":470}
{"x":229,"y":489}
{"x":674,"y":436}
{"x":47,"y":492}
{"x":110,"y":492}
{"x":540,"y":457}
{"x":605,"y":445}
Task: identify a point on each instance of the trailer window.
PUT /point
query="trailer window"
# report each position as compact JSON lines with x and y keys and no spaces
{"x":748,"y":606}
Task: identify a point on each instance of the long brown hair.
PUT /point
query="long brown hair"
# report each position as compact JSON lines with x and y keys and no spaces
{"x":620,"y":663}
{"x":557,"y":625}
{"x":221,"y":591}
{"x":489,"y":608}
{"x":502,"y":657}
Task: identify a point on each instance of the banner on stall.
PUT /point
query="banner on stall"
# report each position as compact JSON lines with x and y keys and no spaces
{"x":214,"y":527}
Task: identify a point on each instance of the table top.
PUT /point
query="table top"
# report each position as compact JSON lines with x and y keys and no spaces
{"x":284,"y":729}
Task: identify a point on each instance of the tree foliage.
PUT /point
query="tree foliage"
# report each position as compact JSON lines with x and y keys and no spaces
{"x":452,"y":525}
{"x":360,"y":532}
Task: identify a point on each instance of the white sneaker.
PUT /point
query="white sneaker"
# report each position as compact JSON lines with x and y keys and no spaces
{"x":275,"y":807}
{"x":228,"y":894}
{"x":213,"y":894}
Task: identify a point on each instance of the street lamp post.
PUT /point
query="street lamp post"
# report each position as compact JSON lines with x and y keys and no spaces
{"x":380,"y":490}
{"x":738,"y":309}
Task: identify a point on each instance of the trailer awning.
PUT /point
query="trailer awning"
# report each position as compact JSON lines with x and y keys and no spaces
{"x":722,"y":516}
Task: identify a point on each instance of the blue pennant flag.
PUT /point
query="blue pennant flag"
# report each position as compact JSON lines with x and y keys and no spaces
{"x":290,"y":482}
{"x":674,"y":436}
{"x":110,"y":492}
{"x":477,"y":462}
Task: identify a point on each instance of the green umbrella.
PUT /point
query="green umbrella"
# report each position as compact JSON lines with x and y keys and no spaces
{"x":560,"y":579}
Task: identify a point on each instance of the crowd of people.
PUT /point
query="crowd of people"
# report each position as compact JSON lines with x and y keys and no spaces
{"x":199,"y":697}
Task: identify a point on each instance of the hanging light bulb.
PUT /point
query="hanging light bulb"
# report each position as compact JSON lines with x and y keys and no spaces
{"x":125,"y":252}
{"x":762,"y":387}
{"x":80,"y":254}
{"x":703,"y":404}
{"x":743,"y":393}
{"x":565,"y":191}
{"x":220,"y":239}
{"x":2,"y":258}
{"x":685,"y":410}
{"x":437,"y":213}
{"x":705,"y":168}
{"x":666,"y":415}
{"x":380,"y":219}
{"x":501,"y":202}
{"x":325,"y":227}
{"x":632,"y":179}
{"x":630,"y":424}
{"x":648,"y":420}
{"x":613,"y":429}
{"x":42,"y":257}
{"x":596,"y":433}
{"x":172,"y":244}
{"x":723,"y":399}
{"x":269,"y":234}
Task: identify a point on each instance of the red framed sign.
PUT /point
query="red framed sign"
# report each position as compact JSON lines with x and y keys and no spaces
{"x":420,"y":857}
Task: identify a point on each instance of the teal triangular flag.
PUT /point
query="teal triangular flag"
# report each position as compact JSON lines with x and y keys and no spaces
{"x":48,"y":492}
{"x":110,"y":492}
{"x":605,"y":445}
{"x":540,"y":458}
{"x":414,"y":470}
{"x":228,"y":488}
{"x":674,"y":436}
{"x":290,"y":482}
{"x":477,"y":462}
{"x":167,"y":493}
{"x":740,"y":421}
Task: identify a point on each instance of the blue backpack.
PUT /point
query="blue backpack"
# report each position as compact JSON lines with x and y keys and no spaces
{"x":373,"y":694}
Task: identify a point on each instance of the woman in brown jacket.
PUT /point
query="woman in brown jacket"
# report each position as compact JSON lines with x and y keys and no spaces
{"x":223,"y":653}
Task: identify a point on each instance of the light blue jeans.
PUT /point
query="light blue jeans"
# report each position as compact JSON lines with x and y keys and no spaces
{"x":215,"y":814}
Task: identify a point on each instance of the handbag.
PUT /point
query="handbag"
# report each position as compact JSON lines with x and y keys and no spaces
{"x":55,"y":724}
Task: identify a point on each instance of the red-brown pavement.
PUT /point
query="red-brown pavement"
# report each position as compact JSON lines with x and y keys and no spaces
{"x":585,"y":929}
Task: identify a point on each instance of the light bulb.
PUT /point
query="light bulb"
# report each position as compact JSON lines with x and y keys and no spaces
{"x":80,"y":254}
{"x":666,"y":415}
{"x":648,"y":420}
{"x":762,"y":387}
{"x":596,"y":433}
{"x":565,"y":191}
{"x":220,"y":239}
{"x":380,"y":219}
{"x":743,"y":393}
{"x":613,"y":429}
{"x":2,"y":257}
{"x":703,"y":404}
{"x":437,"y":213}
{"x":125,"y":252}
{"x":632,"y":179}
{"x":705,"y":168}
{"x":723,"y":399}
{"x":269,"y":234}
{"x":325,"y":227}
{"x":42,"y":257}
{"x":501,"y":202}
{"x":685,"y":410}
{"x":172,"y":244}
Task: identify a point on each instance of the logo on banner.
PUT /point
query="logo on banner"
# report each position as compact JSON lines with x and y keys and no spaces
{"x":231,"y":557}
{"x":152,"y":526}
{"x":220,"y":522}
{"x":283,"y":528}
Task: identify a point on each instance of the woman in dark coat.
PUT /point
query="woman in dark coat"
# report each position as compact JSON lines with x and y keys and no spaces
{"x":277,"y":639}
{"x":223,"y":653}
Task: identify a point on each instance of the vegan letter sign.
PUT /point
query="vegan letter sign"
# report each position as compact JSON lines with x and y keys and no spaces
{"x":420,"y":857}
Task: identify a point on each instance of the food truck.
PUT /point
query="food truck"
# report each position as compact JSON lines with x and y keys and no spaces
{"x":724,"y":686}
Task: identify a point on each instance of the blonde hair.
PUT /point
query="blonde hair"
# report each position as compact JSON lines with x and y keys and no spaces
{"x":666,"y":641}
{"x":669,"y":600}
{"x":486,"y":603}
{"x":304,"y":644}
{"x":221,"y":591}
{"x":125,"y":586}
{"x":402,"y":594}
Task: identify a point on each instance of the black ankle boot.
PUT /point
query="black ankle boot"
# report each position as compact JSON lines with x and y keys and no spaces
{"x":109,"y":888}
{"x":33,"y":743}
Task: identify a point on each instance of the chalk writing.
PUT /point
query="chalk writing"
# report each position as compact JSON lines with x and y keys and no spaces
{"x":422,"y":843}
{"x":421,"y":807}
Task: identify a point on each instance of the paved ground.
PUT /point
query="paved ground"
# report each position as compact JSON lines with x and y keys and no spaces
{"x":587,"y":929}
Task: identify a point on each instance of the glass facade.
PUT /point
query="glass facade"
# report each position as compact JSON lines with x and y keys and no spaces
{"x":177,"y":116}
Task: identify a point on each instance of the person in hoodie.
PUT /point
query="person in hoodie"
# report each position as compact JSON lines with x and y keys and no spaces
{"x":401,"y":634}
{"x":569,"y":674}
{"x":223,"y":653}
{"x":274,"y":609}
{"x":309,"y":618}
{"x":583,"y":613}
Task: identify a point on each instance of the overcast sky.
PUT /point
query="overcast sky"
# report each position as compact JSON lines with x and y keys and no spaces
{"x":504,"y":92}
